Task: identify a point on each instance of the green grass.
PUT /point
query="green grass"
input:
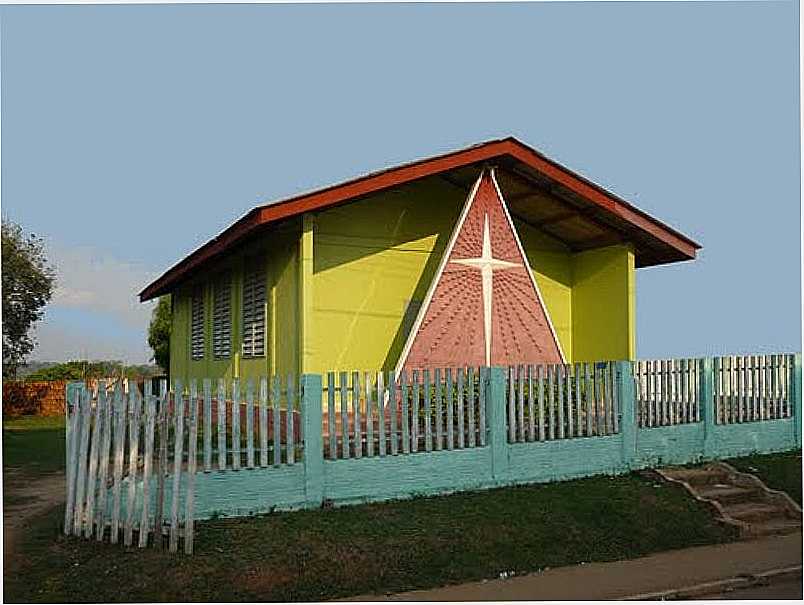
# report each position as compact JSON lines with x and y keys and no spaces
{"x":778,"y":471}
{"x":373,"y":548}
{"x":33,"y":445}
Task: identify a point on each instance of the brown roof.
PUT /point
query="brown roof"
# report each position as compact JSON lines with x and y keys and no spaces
{"x":578,"y":212}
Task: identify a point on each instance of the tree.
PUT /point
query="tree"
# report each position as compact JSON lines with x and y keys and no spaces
{"x":159,"y":333}
{"x":28,"y":282}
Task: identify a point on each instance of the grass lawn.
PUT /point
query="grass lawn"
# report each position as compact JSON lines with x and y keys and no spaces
{"x":373,"y":548}
{"x":778,"y":471}
{"x":33,"y":445}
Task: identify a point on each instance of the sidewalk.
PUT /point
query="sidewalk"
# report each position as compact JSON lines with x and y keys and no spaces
{"x":621,"y":579}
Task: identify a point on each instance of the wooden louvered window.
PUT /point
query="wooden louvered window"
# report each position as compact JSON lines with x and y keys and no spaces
{"x":222,"y":318}
{"x":254,"y":309}
{"x":197,"y":324}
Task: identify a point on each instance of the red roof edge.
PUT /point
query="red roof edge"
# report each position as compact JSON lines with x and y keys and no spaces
{"x":391,"y":177}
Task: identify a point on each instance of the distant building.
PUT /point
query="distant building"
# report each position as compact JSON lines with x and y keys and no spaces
{"x":493,"y":254}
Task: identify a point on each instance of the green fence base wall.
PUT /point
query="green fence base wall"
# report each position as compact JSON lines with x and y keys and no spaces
{"x":312,"y":481}
{"x":391,"y":477}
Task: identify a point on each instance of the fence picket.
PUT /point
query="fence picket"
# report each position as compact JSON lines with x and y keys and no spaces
{"x":135,"y":407}
{"x":511,"y":404}
{"x":559,"y":370}
{"x":570,"y":423}
{"x":164,"y":413}
{"x":381,"y":414}
{"x":428,"y":413}
{"x":177,"y":461}
{"x":403,"y":388}
{"x":235,"y":448}
{"x":207,"y":388}
{"x":264,"y":422}
{"x":460,"y":416}
{"x":439,"y":418}
{"x":331,"y":424}
{"x":551,"y":412}
{"x":450,"y":413}
{"x":81,"y":477}
{"x":369,"y":415}
{"x":147,"y":461}
{"x":249,"y":425}
{"x":290,"y":403}
{"x":414,"y":412}
{"x":578,"y":401}
{"x":73,"y":420}
{"x":392,"y":410}
{"x":191,"y":454}
{"x":470,"y":394}
{"x":276,"y":416}
{"x":103,"y":468}
{"x":221,"y":424}
{"x":358,"y":432}
{"x":119,"y":440}
{"x":343,"y":395}
{"x":97,"y":433}
{"x":520,"y":403}
{"x":540,"y":377}
{"x":531,"y":406}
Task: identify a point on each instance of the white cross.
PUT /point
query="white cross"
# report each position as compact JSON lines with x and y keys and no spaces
{"x":487,"y":265}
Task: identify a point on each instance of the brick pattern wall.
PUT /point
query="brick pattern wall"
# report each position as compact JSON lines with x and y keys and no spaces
{"x":45,"y":398}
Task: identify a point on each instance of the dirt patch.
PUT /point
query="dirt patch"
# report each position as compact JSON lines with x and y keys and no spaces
{"x":24,"y":499}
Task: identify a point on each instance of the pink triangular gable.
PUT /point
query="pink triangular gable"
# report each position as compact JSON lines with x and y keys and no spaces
{"x":459,"y":310}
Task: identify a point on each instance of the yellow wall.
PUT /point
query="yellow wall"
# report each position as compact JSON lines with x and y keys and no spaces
{"x":280,"y":255}
{"x":351,"y":272}
{"x":551,"y":263}
{"x":372,"y":257}
{"x":603,"y":304}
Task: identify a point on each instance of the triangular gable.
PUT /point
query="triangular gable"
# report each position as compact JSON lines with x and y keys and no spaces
{"x":483,"y":306}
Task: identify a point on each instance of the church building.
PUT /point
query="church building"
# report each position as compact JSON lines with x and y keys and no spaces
{"x":490,"y":255}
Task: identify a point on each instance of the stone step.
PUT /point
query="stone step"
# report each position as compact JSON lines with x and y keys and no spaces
{"x":776,"y":527}
{"x":756,"y":512}
{"x":728,"y":494}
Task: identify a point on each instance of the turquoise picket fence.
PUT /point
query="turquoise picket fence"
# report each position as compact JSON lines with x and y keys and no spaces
{"x":151,"y":464}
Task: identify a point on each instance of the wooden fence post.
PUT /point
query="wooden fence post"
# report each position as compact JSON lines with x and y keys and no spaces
{"x":707,"y":404}
{"x":310,"y":402}
{"x":626,"y":397}
{"x":495,"y":420}
{"x":795,"y":396}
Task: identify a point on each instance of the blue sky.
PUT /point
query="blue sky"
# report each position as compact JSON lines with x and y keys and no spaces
{"x":132,"y":134}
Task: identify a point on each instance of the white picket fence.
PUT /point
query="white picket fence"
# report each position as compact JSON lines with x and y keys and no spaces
{"x":557,"y":401}
{"x":130,"y":456}
{"x":746,"y":389}
{"x":752,"y":387}
{"x":376,"y":413}
{"x":667,"y":392}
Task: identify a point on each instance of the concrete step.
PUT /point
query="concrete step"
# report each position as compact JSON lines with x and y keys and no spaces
{"x":728,"y":494}
{"x":698,"y":476}
{"x":776,"y":527}
{"x":756,"y":512}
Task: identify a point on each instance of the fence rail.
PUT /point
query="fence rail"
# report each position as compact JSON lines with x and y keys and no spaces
{"x":143,"y":466}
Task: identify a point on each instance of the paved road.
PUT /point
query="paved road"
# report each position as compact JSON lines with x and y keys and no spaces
{"x":666,"y":571}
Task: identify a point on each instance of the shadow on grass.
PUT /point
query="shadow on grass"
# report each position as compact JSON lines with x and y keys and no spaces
{"x":373,"y":548}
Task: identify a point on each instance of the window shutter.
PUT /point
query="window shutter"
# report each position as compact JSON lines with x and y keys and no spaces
{"x":197,"y":325}
{"x":254,"y":309}
{"x":222,"y":318}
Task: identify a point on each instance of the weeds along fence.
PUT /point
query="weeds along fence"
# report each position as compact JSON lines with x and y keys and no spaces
{"x":142,"y":467}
